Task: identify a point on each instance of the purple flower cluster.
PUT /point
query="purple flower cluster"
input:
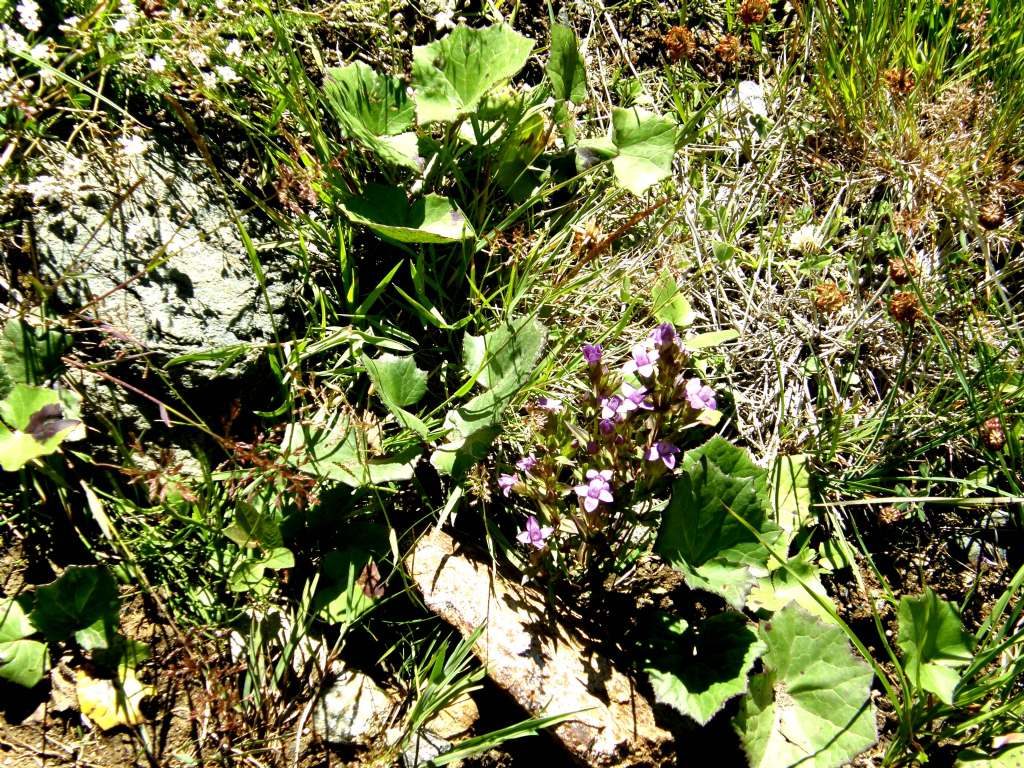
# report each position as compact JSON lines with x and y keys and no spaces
{"x":624,"y":431}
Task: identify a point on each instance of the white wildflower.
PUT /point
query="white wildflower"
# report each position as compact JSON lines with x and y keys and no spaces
{"x":122,"y":25}
{"x":198,"y":58}
{"x":42,"y":51}
{"x":209,"y":80}
{"x":444,"y":20}
{"x":28,"y":15}
{"x":14,"y":41}
{"x":70,"y":24}
{"x":157,"y":63}
{"x":132,"y":145}
{"x":6,"y":73}
{"x":226,"y":73}
{"x":234,"y":50}
{"x":808,"y":240}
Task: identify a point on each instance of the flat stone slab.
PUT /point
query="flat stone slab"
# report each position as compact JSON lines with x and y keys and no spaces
{"x":539,"y":662}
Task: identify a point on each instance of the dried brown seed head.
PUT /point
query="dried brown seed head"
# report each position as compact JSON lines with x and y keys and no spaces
{"x":753,"y":11}
{"x":828,"y":297}
{"x":900,"y":80}
{"x":902,"y":269}
{"x":992,"y":215}
{"x":680,"y":43}
{"x":728,"y":49}
{"x":889,"y":516}
{"x":992,"y":434}
{"x":904,"y":307}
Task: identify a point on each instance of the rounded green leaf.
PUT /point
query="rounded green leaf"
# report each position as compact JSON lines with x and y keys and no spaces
{"x":933,"y":642}
{"x":812,"y":704}
{"x":83,"y":595}
{"x":646,"y":147}
{"x":397,"y":379}
{"x":697,"y":670}
{"x":451,"y":76}
{"x":428,"y":219}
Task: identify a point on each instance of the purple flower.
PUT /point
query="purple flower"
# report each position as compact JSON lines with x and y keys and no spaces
{"x":611,"y":407}
{"x":665,"y":451}
{"x":642,"y":362}
{"x":636,"y":398}
{"x":534,"y":534}
{"x":596,"y":489}
{"x":592,"y":353}
{"x":506,"y":483}
{"x":700,"y":396}
{"x":527,"y":463}
{"x":593,"y":447}
{"x":663,"y":335}
{"x":607,"y":426}
{"x":552,"y":404}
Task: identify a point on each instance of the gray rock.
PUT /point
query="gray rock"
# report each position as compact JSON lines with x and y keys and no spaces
{"x":352,"y":711}
{"x":148,"y":248}
{"x":424,"y":747}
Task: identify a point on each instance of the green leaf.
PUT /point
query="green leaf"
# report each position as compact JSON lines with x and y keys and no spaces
{"x":331,"y":448}
{"x":505,"y":358}
{"x":791,"y":494}
{"x":812,"y":704}
{"x":39,"y":427}
{"x":1012,"y":757}
{"x":99,"y":635}
{"x":374,"y":109}
{"x":711,"y":339}
{"x":397,"y":379}
{"x":29,"y":355}
{"x":22,"y":661}
{"x":428,"y":219}
{"x":251,"y":528}
{"x":933,"y":643}
{"x":451,"y":76}
{"x":790,"y":584}
{"x":566,"y":69}
{"x":503,"y":361}
{"x":249,"y":573}
{"x":699,"y":536}
{"x":697,"y":672}
{"x":668,"y":305}
{"x":646,"y":146}
{"x":349,"y":586}
{"x":83,"y":595}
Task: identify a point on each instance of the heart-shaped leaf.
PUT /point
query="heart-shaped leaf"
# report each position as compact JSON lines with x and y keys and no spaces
{"x":933,"y":642}
{"x":83,"y":595}
{"x":812,"y":704}
{"x":646,"y":146}
{"x":374,"y":109}
{"x":349,"y":585}
{"x":22,"y":661}
{"x":428,"y":219}
{"x":34,"y":425}
{"x":702,"y":532}
{"x":397,"y":379}
{"x":451,"y":76}
{"x":697,"y":670}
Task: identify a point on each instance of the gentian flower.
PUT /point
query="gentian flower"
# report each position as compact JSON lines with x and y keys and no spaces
{"x":596,"y":489}
{"x":665,"y":451}
{"x":527,"y":463}
{"x":535,"y":533}
{"x":643,"y":361}
{"x":700,"y":397}
{"x":607,"y":426}
{"x":611,"y":407}
{"x":592,"y":353}
{"x":552,"y":404}
{"x":635,"y":398}
{"x":663,"y":335}
{"x":506,"y":482}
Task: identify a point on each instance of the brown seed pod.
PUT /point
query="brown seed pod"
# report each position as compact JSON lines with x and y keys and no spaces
{"x":904,"y":307}
{"x":902,"y":269}
{"x":680,"y":43}
{"x":992,"y":215}
{"x":900,"y":80}
{"x":992,"y":434}
{"x":753,"y":11}
{"x":828,"y":297}
{"x":728,"y":49}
